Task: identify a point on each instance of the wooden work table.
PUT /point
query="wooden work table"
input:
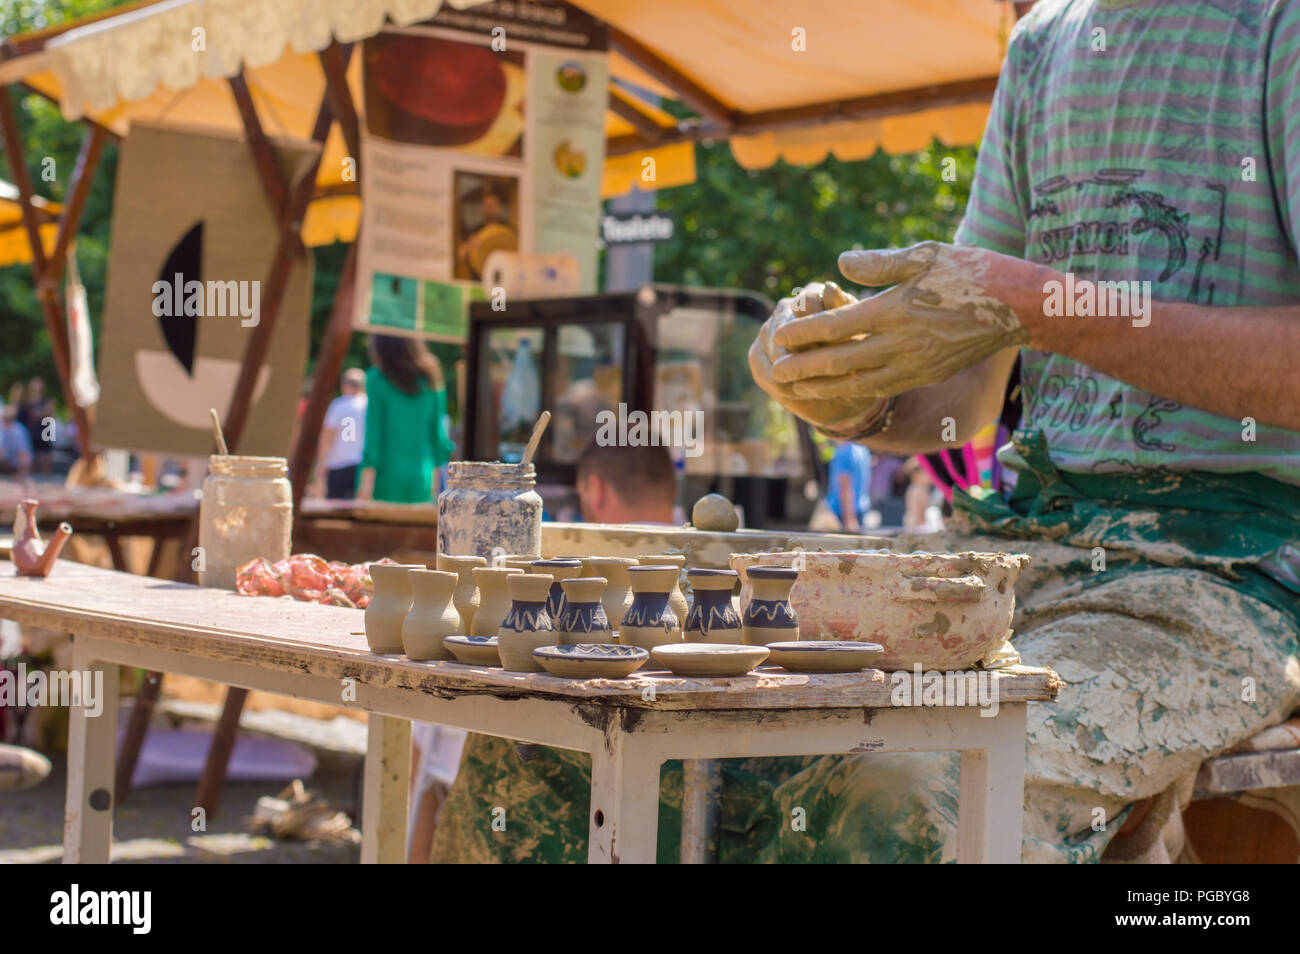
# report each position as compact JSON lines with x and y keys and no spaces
{"x":630,"y":726}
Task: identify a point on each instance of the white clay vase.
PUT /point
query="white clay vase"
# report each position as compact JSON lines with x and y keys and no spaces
{"x":528,"y":625}
{"x":466,"y":597}
{"x":676,"y":598}
{"x":433,"y":616}
{"x":494,"y":598}
{"x":650,"y":621}
{"x":583,"y":619}
{"x":618,"y":590}
{"x":388,"y":607}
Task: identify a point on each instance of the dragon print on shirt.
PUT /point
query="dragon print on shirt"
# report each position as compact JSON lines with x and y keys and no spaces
{"x":1100,"y":226}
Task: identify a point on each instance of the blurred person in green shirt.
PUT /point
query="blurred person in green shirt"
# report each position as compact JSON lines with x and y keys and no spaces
{"x":406,"y":423}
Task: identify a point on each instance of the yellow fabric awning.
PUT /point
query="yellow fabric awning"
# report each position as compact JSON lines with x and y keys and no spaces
{"x":15,"y":249}
{"x":786,"y":79}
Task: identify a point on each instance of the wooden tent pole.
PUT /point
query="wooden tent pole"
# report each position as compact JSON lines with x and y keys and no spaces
{"x":83,"y":177}
{"x":268,"y":167}
{"x":290,"y":215}
{"x":277,"y":280}
{"x":334,"y":63}
{"x":46,"y":287}
{"x":338,"y":334}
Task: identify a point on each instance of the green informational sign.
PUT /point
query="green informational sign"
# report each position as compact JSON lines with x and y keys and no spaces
{"x":446,"y":309}
{"x":394,"y":302}
{"x":438,"y":310}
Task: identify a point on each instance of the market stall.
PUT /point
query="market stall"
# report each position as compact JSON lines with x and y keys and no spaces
{"x":271,"y":74}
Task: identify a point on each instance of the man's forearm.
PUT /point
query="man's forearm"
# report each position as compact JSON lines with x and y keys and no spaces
{"x":1236,"y":362}
{"x":957,"y":409}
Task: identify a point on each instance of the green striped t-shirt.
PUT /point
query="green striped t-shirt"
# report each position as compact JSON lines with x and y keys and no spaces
{"x":1147,"y":140}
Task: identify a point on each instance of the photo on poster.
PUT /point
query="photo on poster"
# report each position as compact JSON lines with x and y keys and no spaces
{"x":431,"y":91}
{"x":485,"y":219}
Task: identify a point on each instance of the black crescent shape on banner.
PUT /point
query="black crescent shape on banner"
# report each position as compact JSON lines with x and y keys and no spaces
{"x":180,"y":330}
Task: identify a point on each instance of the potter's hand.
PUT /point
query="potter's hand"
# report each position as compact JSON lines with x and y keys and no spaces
{"x":837,"y":417}
{"x":948,"y":310}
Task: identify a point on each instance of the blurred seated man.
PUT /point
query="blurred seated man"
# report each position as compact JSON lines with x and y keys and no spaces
{"x":15,"y":445}
{"x":626,"y":484}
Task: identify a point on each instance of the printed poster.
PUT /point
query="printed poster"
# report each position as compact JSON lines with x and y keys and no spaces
{"x":484,"y":133}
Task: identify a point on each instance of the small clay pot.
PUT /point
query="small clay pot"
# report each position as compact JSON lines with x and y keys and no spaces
{"x":560,"y":569}
{"x":528,"y":625}
{"x":466,"y":596}
{"x":433,"y":616}
{"x":713,"y":617}
{"x":516,"y":561}
{"x":388,"y":606}
{"x":494,"y":598}
{"x":676,"y":598}
{"x":583,"y":619}
{"x":650,"y":620}
{"x":618,"y":592}
{"x":768,"y":617}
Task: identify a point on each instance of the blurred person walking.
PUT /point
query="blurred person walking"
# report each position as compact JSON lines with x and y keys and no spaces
{"x":36,"y":408}
{"x":848,"y":485}
{"x":342,"y":438}
{"x":15,"y":445}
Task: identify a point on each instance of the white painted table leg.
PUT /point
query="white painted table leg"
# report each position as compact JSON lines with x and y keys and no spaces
{"x":624,"y":823}
{"x":387,"y":784}
{"x":92,"y":755}
{"x":991,"y":801}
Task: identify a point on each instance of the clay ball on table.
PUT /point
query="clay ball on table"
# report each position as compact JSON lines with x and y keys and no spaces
{"x":714,"y":512}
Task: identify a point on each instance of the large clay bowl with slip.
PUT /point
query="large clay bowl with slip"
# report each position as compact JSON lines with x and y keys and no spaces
{"x":941,"y":610}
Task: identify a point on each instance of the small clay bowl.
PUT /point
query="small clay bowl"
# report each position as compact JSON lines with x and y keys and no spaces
{"x":709,"y":659}
{"x":591,"y":660}
{"x":474,"y":650}
{"x":823,"y":655}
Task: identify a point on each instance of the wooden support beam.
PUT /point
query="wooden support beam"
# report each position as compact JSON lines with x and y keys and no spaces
{"x":273,"y":289}
{"x":56,"y":324}
{"x":334,"y":63}
{"x":83,"y":176}
{"x":31,"y":90}
{"x":877,"y":106}
{"x":691,"y":93}
{"x":649,"y":130}
{"x":287,"y":249}
{"x":268,"y":168}
{"x":208,"y":794}
{"x":329,"y":365}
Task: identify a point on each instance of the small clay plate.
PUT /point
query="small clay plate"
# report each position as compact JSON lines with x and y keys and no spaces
{"x":823,"y":655}
{"x":591,"y":660}
{"x":474,"y":650}
{"x":709,"y":659}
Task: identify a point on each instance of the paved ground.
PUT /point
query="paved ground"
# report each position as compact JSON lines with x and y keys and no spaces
{"x":154,"y":824}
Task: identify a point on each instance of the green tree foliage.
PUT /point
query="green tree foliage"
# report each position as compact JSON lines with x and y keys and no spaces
{"x":772,"y":229}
